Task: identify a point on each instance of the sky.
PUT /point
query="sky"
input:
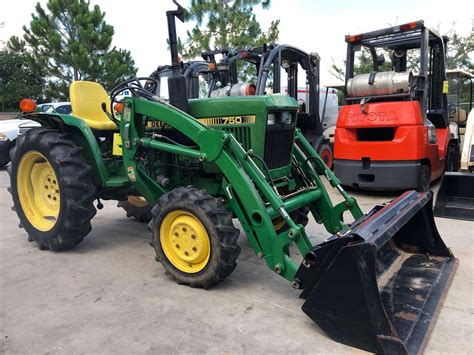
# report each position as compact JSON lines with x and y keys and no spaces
{"x":314,"y":26}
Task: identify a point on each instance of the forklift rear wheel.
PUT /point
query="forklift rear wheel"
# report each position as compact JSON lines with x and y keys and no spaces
{"x":424,"y":178}
{"x":51,"y":189}
{"x":325,"y":152}
{"x":137,"y":208}
{"x":194,"y":237}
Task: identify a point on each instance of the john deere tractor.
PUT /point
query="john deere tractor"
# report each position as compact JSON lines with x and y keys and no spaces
{"x":375,"y":283}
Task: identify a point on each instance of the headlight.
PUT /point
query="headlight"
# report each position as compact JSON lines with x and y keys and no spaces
{"x":271,"y":119}
{"x":286,"y":118}
{"x":3,"y":137}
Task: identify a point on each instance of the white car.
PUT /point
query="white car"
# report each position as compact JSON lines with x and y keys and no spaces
{"x":9,"y":131}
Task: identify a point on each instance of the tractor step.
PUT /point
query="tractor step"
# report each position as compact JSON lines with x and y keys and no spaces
{"x":380,"y":287}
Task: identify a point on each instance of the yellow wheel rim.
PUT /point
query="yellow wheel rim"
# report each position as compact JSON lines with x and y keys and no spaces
{"x":38,"y":190}
{"x":137,"y":201}
{"x":185,"y":241}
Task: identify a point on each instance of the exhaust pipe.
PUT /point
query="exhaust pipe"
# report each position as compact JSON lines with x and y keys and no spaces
{"x":176,"y":82}
{"x":380,"y":287}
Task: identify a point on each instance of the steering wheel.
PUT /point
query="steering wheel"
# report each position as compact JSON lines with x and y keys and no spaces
{"x":136,"y":88}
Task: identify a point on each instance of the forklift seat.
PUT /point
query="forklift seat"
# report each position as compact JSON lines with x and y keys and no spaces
{"x":86,"y":102}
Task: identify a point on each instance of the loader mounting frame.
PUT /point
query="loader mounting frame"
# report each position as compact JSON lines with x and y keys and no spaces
{"x":253,"y":200}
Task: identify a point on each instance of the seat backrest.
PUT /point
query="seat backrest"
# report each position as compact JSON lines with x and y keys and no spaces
{"x":459,"y":116}
{"x":86,"y":101}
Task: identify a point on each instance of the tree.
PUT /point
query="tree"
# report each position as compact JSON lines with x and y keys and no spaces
{"x":459,"y":51}
{"x":71,"y":41}
{"x":226,"y":26}
{"x":221,"y":24}
{"x":17,"y":80}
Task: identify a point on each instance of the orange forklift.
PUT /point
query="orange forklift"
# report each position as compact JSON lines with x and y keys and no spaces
{"x":393,"y":132}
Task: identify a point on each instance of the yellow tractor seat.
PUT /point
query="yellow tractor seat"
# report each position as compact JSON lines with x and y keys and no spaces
{"x":86,"y":102}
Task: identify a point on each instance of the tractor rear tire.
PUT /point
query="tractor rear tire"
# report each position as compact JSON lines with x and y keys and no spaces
{"x":424,"y":177}
{"x":194,"y":237}
{"x":51,"y":189}
{"x":137,"y":208}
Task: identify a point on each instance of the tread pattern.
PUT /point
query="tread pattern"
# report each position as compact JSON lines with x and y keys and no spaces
{"x":218,"y":222}
{"x":76,"y":189}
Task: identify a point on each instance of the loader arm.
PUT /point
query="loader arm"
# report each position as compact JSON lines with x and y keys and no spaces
{"x":254,"y":201}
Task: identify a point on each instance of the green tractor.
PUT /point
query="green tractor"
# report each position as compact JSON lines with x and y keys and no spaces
{"x":376,"y":283}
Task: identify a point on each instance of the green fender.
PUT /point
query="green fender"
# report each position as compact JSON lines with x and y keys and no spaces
{"x":81,"y":135}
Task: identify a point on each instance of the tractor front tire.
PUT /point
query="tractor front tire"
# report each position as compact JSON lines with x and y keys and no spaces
{"x":194,"y":237}
{"x":137,"y":208}
{"x":51,"y":189}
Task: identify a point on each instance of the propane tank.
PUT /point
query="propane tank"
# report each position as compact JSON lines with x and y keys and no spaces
{"x":380,"y":83}
{"x":241,"y":89}
{"x":221,"y":92}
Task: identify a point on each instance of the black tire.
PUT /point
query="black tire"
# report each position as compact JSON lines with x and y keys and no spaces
{"x":76,"y":191}
{"x":424,"y":177}
{"x":326,"y":154}
{"x":452,"y":159}
{"x":139,"y":212}
{"x":217,"y":221}
{"x":6,"y":154}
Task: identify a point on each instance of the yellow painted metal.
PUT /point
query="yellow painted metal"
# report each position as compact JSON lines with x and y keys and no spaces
{"x":86,"y":102}
{"x":117,"y":145}
{"x":38,"y":191}
{"x":228,"y":120}
{"x":137,"y":201}
{"x":185,"y":241}
{"x":445,"y":87}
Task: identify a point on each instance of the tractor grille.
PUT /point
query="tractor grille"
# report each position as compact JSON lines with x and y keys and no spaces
{"x":278,"y":147}
{"x":242,"y":134}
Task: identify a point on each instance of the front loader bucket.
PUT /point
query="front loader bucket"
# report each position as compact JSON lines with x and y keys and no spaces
{"x":455,"y":197}
{"x":380,"y":287}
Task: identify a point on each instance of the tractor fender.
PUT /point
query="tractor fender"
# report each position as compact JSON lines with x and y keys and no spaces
{"x":82,"y":136}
